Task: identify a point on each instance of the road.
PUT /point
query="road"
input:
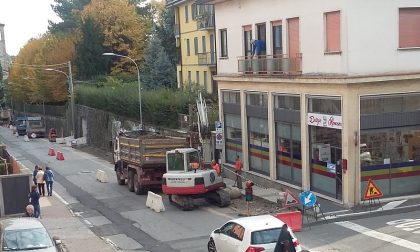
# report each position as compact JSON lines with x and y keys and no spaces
{"x":110,"y":210}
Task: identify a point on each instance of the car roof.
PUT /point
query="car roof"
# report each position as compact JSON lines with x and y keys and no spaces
{"x":260,"y":222}
{"x":21,"y":223}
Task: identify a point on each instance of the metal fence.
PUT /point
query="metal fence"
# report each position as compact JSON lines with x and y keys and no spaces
{"x":43,"y":109}
{"x":283,"y":64}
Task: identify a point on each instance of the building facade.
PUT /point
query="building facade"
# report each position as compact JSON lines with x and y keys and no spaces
{"x":330,"y":101}
{"x":4,"y":58}
{"x":195,"y":38}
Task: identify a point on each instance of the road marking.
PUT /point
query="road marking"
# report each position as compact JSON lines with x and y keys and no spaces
{"x":380,"y":236}
{"x":393,"y":204}
{"x":60,"y":198}
{"x":406,"y":224}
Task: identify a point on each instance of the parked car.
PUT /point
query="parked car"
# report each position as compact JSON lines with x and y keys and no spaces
{"x":26,"y":234}
{"x":253,"y":234}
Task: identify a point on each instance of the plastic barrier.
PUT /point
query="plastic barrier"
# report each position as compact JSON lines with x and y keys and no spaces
{"x":51,"y":152}
{"x":60,"y":156}
{"x":292,"y":219}
{"x":101,"y":176}
{"x":155,"y":202}
{"x":26,"y":138}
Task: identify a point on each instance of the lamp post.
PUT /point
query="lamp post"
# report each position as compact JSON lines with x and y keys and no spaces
{"x":71,"y":90}
{"x":138,"y":79}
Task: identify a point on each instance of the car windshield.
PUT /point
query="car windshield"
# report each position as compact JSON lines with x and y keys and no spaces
{"x":26,"y":239}
{"x":265,"y":236}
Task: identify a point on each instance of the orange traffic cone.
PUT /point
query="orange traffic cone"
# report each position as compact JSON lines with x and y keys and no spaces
{"x":60,"y":155}
{"x":51,"y":152}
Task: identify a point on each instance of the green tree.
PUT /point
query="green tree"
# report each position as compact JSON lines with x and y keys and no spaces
{"x":157,"y":71}
{"x":69,"y":12}
{"x":89,"y":49}
{"x":165,"y":32}
{"x":1,"y":74}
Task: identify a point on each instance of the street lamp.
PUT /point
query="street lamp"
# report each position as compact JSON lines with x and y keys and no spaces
{"x":138,"y":79}
{"x":70,"y":79}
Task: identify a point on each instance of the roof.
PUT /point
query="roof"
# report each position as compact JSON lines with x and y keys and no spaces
{"x":259,"y":222}
{"x":21,"y":223}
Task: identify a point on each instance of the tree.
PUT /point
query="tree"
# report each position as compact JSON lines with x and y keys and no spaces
{"x":1,"y":74}
{"x":165,"y":32}
{"x":157,"y":71}
{"x":69,"y":12}
{"x":89,"y":49}
{"x":124,"y":33}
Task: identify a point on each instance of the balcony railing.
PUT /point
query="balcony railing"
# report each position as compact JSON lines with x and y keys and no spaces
{"x":208,"y":58}
{"x":271,"y":64}
{"x":205,"y":21}
{"x":176,"y":30}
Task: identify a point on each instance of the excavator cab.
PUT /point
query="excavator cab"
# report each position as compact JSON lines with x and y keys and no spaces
{"x":182,"y":160}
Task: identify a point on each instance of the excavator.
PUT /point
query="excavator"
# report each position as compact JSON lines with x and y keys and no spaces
{"x":188,"y":174}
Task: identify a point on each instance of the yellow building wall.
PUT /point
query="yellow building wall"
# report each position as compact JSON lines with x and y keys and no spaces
{"x":189,"y":62}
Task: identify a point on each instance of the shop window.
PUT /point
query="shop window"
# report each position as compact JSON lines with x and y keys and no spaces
{"x":287,"y":102}
{"x":388,"y":104}
{"x":257,"y":99}
{"x":231,"y":97}
{"x":325,"y":106}
{"x":258,"y":145}
{"x":409,"y":27}
{"x":332,"y":32}
{"x":233,"y":137}
{"x":288,"y":151}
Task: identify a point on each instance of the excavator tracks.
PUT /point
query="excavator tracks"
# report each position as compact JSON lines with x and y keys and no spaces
{"x":186,"y":203}
{"x":220,"y":198}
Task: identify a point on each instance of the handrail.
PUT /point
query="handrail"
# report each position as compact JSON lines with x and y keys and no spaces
{"x":280,"y":64}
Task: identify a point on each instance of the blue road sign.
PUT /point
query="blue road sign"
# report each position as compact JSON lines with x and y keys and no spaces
{"x":307,"y":198}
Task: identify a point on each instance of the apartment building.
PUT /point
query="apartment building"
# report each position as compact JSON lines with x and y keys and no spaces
{"x":194,"y":32}
{"x":331,"y":99}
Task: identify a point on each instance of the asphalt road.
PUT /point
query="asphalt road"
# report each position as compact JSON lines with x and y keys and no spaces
{"x":110,"y":210}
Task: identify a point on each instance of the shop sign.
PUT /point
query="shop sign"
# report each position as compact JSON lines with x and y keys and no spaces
{"x":326,"y":121}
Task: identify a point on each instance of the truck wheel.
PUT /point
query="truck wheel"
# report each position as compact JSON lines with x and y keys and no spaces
{"x":138,"y":189}
{"x":121,"y":181}
{"x":130,"y":181}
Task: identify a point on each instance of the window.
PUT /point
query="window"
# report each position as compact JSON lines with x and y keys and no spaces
{"x":232,"y":97}
{"x":180,"y":78}
{"x":332,"y":32}
{"x":277,"y":38}
{"x":261,"y":36}
{"x":257,"y":99}
{"x":205,"y":80}
{"x":195,"y":45}
{"x":189,"y":77}
{"x":223,"y":43}
{"x":287,"y":102}
{"x":293,"y":35}
{"x":197,"y":77}
{"x":233,"y":137}
{"x":203,"y":44}
{"x":193,"y":11}
{"x":188,"y":47}
{"x":247,"y":40}
{"x":186,"y":13}
{"x":409,"y":27}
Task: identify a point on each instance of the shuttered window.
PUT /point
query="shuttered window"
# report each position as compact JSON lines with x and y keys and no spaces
{"x":293,"y":36}
{"x":409,"y":27}
{"x":332,"y":32}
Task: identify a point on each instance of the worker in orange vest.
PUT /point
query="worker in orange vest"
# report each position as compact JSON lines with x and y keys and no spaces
{"x":238,"y":171}
{"x":215,"y":166}
{"x":194,"y":165}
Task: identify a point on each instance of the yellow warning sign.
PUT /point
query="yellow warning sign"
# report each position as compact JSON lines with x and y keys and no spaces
{"x":372,"y":191}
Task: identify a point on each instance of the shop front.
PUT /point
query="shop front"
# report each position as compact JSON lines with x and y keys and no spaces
{"x":233,"y":127}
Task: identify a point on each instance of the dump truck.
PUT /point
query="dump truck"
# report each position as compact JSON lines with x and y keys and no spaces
{"x":140,"y":159}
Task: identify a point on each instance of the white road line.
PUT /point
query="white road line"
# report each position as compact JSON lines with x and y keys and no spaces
{"x":393,"y":204}
{"x":61,"y":199}
{"x":380,"y":236}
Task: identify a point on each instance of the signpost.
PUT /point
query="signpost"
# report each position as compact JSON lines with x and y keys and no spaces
{"x":219,"y":135}
{"x":372,"y":192}
{"x":309,"y":202}
{"x":307,"y":199}
{"x":290,"y":199}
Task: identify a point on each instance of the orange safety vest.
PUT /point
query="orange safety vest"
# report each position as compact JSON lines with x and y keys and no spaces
{"x":216,"y":167}
{"x":238,"y":165}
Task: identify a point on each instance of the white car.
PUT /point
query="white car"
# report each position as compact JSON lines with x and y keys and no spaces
{"x":253,"y":234}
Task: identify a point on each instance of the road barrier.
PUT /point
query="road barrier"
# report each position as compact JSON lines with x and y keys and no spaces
{"x":292,"y":219}
{"x":154,"y":202}
{"x":60,"y":140}
{"x":60,"y":156}
{"x":51,"y":152}
{"x":26,"y":138}
{"x":101,"y":176}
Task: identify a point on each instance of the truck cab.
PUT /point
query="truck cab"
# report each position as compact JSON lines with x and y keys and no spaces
{"x":21,"y":125}
{"x":35,"y":127}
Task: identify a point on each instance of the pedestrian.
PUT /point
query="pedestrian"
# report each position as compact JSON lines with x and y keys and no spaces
{"x":49,"y":179}
{"x":284,"y":241}
{"x":40,"y":181}
{"x":238,"y":171}
{"x":215,"y":166}
{"x":34,"y":174}
{"x":257,"y":47}
{"x":29,"y":211}
{"x":34,"y":200}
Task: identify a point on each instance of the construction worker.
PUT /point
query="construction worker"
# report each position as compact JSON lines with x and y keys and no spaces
{"x":238,"y":171}
{"x":194,"y":165}
{"x":215,"y":166}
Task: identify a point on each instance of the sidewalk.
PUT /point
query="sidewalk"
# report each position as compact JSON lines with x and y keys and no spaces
{"x":334,"y":211}
{"x":75,"y":235}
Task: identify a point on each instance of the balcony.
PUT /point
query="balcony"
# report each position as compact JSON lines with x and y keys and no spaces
{"x":205,"y":21}
{"x":208,"y":59}
{"x":271,"y":65}
{"x":176,"y":30}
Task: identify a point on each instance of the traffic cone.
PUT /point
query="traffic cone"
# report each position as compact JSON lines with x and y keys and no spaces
{"x":60,"y":155}
{"x":51,"y":152}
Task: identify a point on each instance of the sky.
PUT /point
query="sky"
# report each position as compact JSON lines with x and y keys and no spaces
{"x":23,"y":20}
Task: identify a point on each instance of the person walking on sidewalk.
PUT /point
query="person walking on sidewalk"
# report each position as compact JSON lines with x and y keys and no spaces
{"x":40,"y":181}
{"x":49,"y":179}
{"x":34,"y":200}
{"x":238,"y":171}
{"x":34,"y":174}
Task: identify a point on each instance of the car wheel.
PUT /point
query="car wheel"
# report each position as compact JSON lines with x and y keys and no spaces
{"x":211,"y":246}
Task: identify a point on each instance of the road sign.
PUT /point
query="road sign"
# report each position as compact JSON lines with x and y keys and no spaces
{"x":290,"y":199}
{"x":219,"y":126}
{"x":307,"y":198}
{"x":372,"y":191}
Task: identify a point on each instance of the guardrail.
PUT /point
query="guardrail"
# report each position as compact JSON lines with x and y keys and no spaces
{"x":271,"y":64}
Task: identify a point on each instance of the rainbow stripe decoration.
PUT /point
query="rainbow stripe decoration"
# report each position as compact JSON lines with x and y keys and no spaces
{"x":234,"y":145}
{"x":285,"y":159}
{"x":389,"y":171}
{"x":259,"y":152}
{"x":320,"y":168}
